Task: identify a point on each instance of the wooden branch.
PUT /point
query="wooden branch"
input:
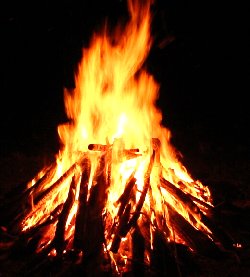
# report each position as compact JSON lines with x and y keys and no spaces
{"x":138,"y":249}
{"x":50,"y":192}
{"x":199,"y":201}
{"x":125,"y":224}
{"x":38,"y":186}
{"x":180,"y":196}
{"x":8,"y":205}
{"x":217,"y":233}
{"x":101,"y":147}
{"x":59,"y":238}
{"x":161,"y":259}
{"x":80,"y":224}
{"x":195,"y":239}
{"x":121,"y":230}
{"x":124,"y":198}
{"x":140,"y":203}
{"x":93,"y":236}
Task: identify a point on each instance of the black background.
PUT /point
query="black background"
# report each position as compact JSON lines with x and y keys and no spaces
{"x":203,"y":71}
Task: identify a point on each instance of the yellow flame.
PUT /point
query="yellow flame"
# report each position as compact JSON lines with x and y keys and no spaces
{"x":114,"y":104}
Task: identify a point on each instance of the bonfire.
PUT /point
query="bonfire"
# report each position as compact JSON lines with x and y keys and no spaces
{"x":117,"y":193}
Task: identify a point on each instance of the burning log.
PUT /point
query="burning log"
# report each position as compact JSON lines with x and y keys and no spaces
{"x":59,"y":238}
{"x":198,"y":201}
{"x":49,"y":193}
{"x":123,"y":153}
{"x":25,"y":197}
{"x":103,"y":148}
{"x":30,"y":241}
{"x":80,"y":224}
{"x":122,"y":229}
{"x":125,"y":224}
{"x":93,"y":236}
{"x":139,"y":205}
{"x":216,"y":233}
{"x":181,"y":196}
{"x":122,"y":215}
{"x":124,"y":198}
{"x":195,"y":239}
{"x":148,"y":211}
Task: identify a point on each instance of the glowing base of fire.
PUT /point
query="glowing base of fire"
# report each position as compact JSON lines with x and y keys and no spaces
{"x":108,"y":197}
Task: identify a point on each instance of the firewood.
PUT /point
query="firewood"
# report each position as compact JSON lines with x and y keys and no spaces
{"x":162,"y":260}
{"x":123,"y":201}
{"x":124,"y":198}
{"x":127,"y":154}
{"x":138,"y":249}
{"x":125,"y":224}
{"x":80,"y":224}
{"x":195,"y":239}
{"x":180,"y":196}
{"x":29,"y":241}
{"x":202,"y":203}
{"x":36,"y":263}
{"x":140,"y":203}
{"x":101,"y":147}
{"x":8,"y":205}
{"x":93,"y":236}
{"x":217,"y":233}
{"x":49,"y":194}
{"x":59,"y":238}
{"x":22,"y":197}
{"x":37,"y":188}
{"x":11,"y":210}
{"x":121,"y":230}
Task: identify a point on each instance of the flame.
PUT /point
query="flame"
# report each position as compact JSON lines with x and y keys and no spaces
{"x":113,"y":105}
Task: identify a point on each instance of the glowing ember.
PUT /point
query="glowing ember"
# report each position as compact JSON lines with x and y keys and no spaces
{"x":117,"y":178}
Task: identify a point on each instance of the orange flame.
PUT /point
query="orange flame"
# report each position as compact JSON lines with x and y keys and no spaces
{"x":114,"y":104}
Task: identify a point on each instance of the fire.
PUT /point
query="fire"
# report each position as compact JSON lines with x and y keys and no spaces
{"x":117,"y":168}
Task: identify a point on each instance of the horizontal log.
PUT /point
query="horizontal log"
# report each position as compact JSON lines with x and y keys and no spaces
{"x":101,"y":147}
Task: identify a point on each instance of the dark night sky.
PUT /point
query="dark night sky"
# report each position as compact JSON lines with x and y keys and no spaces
{"x":204,"y":72}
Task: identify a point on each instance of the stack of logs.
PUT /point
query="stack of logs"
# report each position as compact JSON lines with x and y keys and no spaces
{"x":93,"y":227}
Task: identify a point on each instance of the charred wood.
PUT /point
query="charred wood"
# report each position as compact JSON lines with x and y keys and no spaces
{"x":80,"y":224}
{"x":217,"y":233}
{"x":125,"y":223}
{"x":49,"y":193}
{"x":138,"y":249}
{"x":121,"y":230}
{"x":162,"y":260}
{"x":93,"y":236}
{"x":124,"y":198}
{"x":8,"y":205}
{"x":195,"y":239}
{"x":140,"y":203}
{"x":101,"y":147}
{"x":180,"y":196}
{"x":59,"y":239}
